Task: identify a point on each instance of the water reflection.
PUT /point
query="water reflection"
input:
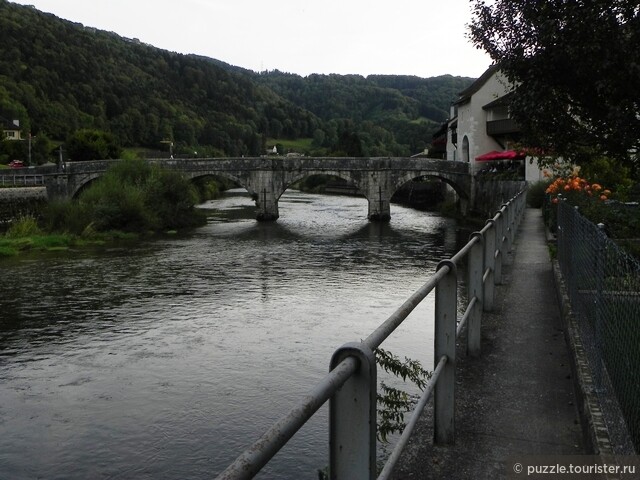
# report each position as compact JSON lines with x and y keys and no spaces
{"x":167,"y":358}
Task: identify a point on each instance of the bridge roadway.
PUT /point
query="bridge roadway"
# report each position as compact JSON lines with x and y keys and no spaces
{"x":267,"y":178}
{"x":516,"y":399}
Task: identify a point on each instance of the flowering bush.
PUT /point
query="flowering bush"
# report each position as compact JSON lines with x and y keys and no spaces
{"x":569,"y":186}
{"x":577,"y":190}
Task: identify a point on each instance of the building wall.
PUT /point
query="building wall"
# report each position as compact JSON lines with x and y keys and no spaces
{"x":532,"y":172}
{"x":475,"y":122}
{"x":472,"y":122}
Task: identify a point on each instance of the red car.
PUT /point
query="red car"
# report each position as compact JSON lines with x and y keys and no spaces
{"x":16,"y":164}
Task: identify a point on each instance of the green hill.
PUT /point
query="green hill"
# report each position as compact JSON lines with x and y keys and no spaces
{"x":58,"y":76}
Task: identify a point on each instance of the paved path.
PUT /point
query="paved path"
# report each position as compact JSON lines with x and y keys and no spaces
{"x":517,"y":398}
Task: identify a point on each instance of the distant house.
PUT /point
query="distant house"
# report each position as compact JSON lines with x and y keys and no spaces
{"x":481,"y":131}
{"x":11,"y":129}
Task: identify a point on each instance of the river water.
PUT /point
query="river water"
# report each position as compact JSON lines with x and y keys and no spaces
{"x":164,"y":360}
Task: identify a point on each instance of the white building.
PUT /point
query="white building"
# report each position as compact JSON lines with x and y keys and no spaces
{"x":11,"y":130}
{"x":481,"y":131}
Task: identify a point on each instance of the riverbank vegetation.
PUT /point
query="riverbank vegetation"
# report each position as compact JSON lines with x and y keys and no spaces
{"x":616,"y":208}
{"x":132,"y":199}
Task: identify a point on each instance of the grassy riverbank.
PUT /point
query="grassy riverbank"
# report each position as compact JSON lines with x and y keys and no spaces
{"x":25,"y":235}
{"x":10,"y":247}
{"x":131,"y":200}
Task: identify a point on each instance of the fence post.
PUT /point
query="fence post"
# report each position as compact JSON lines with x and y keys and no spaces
{"x":508,"y":227}
{"x":499,"y":247}
{"x":445,"y":344}
{"x":475,"y":289}
{"x":490,"y":240}
{"x":352,"y":417}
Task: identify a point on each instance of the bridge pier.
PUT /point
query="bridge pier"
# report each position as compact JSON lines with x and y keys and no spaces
{"x":379,"y":210}
{"x":379,"y":191}
{"x":266,"y":188}
{"x":57,"y":187}
{"x":267,"y":206}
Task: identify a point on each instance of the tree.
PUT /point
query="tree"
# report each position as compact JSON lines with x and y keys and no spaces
{"x":575,"y":67}
{"x":88,"y":144}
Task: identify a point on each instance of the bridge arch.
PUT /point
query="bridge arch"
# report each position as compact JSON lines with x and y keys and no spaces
{"x":296,"y":177}
{"x":218,"y":173}
{"x":452,"y":182}
{"x":83,"y":183}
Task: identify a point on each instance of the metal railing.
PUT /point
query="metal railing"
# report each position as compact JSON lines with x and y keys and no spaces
{"x":351,"y":384}
{"x":21,"y":180}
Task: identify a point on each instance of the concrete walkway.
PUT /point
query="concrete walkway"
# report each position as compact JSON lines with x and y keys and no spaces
{"x":517,"y":398}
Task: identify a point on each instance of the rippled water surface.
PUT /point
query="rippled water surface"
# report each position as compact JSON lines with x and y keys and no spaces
{"x":164,"y":360}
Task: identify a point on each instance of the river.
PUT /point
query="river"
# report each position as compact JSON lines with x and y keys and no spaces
{"x":164,"y":360}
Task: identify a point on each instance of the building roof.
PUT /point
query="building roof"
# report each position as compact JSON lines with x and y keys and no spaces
{"x":8,"y":124}
{"x":502,"y":101}
{"x":467,"y":93}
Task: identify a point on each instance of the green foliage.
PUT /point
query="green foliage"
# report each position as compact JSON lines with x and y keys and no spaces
{"x":392,"y":402}
{"x":209,"y":188}
{"x":173,"y":199}
{"x":536,"y":193}
{"x":115,"y":205}
{"x":19,"y":150}
{"x":66,"y":216}
{"x":575,"y":70}
{"x":395,"y":403}
{"x":132,"y":196}
{"x":23,"y":227}
{"x":89,"y":144}
{"x":390,"y":115}
{"x":60,"y":77}
{"x":607,"y":171}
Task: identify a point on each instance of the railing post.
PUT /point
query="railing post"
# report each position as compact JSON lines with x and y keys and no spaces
{"x":475,"y":289}
{"x":352,"y":418}
{"x":499,"y":246}
{"x":490,"y":240}
{"x":507,"y":226}
{"x":445,"y":344}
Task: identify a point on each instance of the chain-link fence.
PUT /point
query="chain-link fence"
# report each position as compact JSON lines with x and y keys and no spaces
{"x":603,"y":284}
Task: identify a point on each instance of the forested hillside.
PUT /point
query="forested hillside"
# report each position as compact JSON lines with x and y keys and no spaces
{"x":410,"y":108}
{"x":58,"y":77}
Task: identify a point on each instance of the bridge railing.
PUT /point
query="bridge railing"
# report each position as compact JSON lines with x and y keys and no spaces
{"x":21,"y":180}
{"x":351,"y":384}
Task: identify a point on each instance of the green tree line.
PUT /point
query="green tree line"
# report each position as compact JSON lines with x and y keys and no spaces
{"x":59,"y":77}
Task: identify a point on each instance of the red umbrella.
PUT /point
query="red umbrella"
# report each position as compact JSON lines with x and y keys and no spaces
{"x":501,"y":155}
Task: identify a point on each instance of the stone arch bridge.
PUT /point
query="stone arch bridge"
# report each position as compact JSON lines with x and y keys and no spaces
{"x":267,"y":178}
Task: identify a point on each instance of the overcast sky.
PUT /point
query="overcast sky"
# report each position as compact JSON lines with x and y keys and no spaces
{"x":402,"y":37}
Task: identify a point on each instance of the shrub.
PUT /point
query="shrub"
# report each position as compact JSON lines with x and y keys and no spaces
{"x":172,"y":199}
{"x":66,"y":216}
{"x":88,"y":144}
{"x":25,"y":226}
{"x":132,"y":196}
{"x":536,"y":193}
